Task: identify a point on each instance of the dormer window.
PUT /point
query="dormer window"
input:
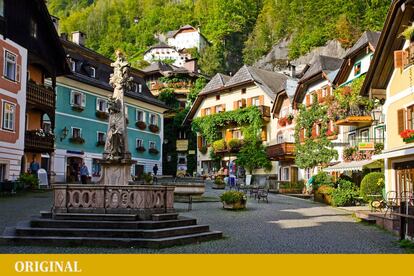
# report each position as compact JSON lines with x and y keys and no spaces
{"x":139,"y":88}
{"x":92,"y":72}
{"x":33,"y":28}
{"x":357,"y":69}
{"x":73,"y":65}
{"x":135,"y":87}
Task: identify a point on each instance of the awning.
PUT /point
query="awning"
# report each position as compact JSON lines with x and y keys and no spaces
{"x":355,"y":166}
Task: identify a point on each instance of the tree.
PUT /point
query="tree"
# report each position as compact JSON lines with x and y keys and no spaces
{"x":253,"y":156}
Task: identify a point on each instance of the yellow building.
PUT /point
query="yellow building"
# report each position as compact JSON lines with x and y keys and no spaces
{"x":391,"y":77}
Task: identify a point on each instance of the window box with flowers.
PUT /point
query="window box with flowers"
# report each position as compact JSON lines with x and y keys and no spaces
{"x":102,"y":115}
{"x":77,"y":140}
{"x":100,"y":143}
{"x":407,"y":135}
{"x":140,"y":149}
{"x":77,"y":108}
{"x":141,"y":125}
{"x":153,"y":128}
{"x":153,"y":151}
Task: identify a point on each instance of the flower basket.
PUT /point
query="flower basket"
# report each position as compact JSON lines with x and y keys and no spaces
{"x":140,"y":149}
{"x":77,"y":108}
{"x":102,"y":115}
{"x":153,"y":151}
{"x":153,"y":128}
{"x":77,"y":140}
{"x":282,"y":121}
{"x":141,"y":125}
{"x":100,"y":143}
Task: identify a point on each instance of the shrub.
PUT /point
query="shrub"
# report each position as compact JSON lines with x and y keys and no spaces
{"x":219,"y":181}
{"x":345,"y":194}
{"x":234,"y":143}
{"x":29,"y":180}
{"x":322,"y":179}
{"x":219,"y":145}
{"x":147,"y":178}
{"x":230,"y":197}
{"x":323,"y":194}
{"x":203,"y":149}
{"x":372,"y":184}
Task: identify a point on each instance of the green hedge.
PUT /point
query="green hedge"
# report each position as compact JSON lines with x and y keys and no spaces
{"x":372,"y":184}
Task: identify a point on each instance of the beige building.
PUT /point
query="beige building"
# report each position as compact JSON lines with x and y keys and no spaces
{"x":249,"y":86}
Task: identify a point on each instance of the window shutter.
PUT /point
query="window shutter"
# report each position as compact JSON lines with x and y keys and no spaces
{"x":261,"y":100}
{"x":400,"y":58}
{"x":319,"y":94}
{"x":249,"y":101}
{"x":199,"y":142}
{"x":243,"y":102}
{"x":401,"y":113}
{"x":203,"y":112}
{"x":308,"y":100}
{"x":97,"y":103}
{"x":328,"y":91}
{"x":83,"y":100}
{"x":72,"y":97}
{"x":213,"y":110}
{"x":314,"y":131}
{"x":263,"y":134}
{"x":301,"y":135}
{"x":223,"y":107}
{"x":229,"y":135}
{"x":18,"y":73}
{"x":235,"y":105}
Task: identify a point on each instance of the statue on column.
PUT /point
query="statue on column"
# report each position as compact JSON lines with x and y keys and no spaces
{"x":116,"y":147}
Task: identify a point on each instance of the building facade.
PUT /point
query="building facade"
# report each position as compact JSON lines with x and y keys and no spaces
{"x":164,"y":52}
{"x":12,"y":107}
{"x":187,"y":37}
{"x":81,"y":116}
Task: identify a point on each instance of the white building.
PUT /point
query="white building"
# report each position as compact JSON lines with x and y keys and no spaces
{"x":187,"y":37}
{"x":163,"y":52}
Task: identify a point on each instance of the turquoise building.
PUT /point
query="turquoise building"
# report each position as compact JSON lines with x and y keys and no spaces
{"x":81,"y":116}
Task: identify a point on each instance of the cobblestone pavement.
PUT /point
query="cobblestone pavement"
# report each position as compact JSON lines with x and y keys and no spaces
{"x":284,"y":225}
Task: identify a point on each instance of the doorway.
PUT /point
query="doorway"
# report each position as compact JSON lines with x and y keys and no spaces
{"x":73,"y":165}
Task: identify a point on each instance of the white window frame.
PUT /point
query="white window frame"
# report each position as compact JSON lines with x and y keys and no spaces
{"x":73,"y":65}
{"x":152,"y":143}
{"x":354,"y":140}
{"x":143,"y":115}
{"x":98,"y":100}
{"x":256,"y":101}
{"x":93,"y":71}
{"x":219,"y":108}
{"x":97,"y":135}
{"x":7,"y":61}
{"x":80,"y":131}
{"x":139,"y":88}
{"x":12,"y":122}
{"x":365,"y":130}
{"x":152,"y":115}
{"x":284,"y":169}
{"x":137,"y":143}
{"x":82,"y":98}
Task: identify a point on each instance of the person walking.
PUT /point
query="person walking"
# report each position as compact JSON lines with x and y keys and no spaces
{"x":34,"y":167}
{"x":155,"y":169}
{"x":84,"y":173}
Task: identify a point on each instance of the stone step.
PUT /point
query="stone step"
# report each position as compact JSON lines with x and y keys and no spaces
{"x":166,"y":216}
{"x":114,"y":233}
{"x":10,"y":238}
{"x":51,"y":223}
{"x":96,"y":217}
{"x":365,"y":217}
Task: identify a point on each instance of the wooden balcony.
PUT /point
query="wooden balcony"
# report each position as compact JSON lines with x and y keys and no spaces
{"x":40,"y":97}
{"x":359,"y":118}
{"x":34,"y":142}
{"x":265,"y":111}
{"x":282,"y":151}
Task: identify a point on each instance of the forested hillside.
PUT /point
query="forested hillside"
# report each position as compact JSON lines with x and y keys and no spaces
{"x":240,"y":30}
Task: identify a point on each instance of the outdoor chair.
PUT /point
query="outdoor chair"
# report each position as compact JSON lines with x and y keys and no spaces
{"x":262,"y":193}
{"x":253,"y":191}
{"x":391,"y":201}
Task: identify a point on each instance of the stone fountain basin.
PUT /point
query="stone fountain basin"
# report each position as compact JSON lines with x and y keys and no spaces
{"x":186,"y":189}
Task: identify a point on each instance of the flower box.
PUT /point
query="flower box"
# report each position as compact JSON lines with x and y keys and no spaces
{"x":100,"y":143}
{"x":153,"y":151}
{"x":235,"y":206}
{"x":153,"y":128}
{"x":77,"y":140}
{"x":141,"y":125}
{"x":140,"y":149}
{"x":102,"y":115}
{"x":77,"y":108}
{"x":409,"y":140}
{"x":407,"y":135}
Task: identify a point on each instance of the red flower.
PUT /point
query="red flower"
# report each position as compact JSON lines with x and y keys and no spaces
{"x":408,"y":133}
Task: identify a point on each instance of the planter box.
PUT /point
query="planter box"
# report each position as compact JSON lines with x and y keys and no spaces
{"x":409,"y":140}
{"x":235,"y":206}
{"x":219,"y":186}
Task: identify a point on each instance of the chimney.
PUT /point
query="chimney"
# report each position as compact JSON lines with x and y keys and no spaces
{"x":64,"y":36}
{"x":55,"y":21}
{"x":79,"y":38}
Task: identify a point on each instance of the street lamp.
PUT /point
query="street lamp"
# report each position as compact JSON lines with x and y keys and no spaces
{"x":64,"y":133}
{"x":376,"y":114}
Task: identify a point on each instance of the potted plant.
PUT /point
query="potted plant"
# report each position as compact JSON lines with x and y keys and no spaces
{"x":282,"y":121}
{"x":290,"y":118}
{"x":140,"y":149}
{"x":234,"y":145}
{"x":219,"y":145}
{"x":153,"y":151}
{"x":102,"y":115}
{"x":141,"y":125}
{"x":233,"y":200}
{"x":219,"y":183}
{"x":153,"y":128}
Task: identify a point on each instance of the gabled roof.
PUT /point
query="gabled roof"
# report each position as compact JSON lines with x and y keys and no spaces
{"x":323,"y":67}
{"x":288,"y":92}
{"x":157,"y":66}
{"x":217,"y":82}
{"x":368,"y":38}
{"x":400,"y":15}
{"x":160,"y":45}
{"x":164,"y":69}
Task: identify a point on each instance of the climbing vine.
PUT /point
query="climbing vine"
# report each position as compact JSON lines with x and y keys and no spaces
{"x":249,"y":119}
{"x":313,"y":151}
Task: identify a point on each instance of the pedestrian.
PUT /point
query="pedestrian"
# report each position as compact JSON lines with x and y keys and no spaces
{"x":34,"y":166}
{"x":155,"y":169}
{"x":84,"y":173}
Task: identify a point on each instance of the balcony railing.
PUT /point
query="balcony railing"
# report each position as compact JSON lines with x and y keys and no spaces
{"x":281,"y":151}
{"x":362,"y":149}
{"x":38,"y":142}
{"x":40,"y":96}
{"x":358,"y":116}
{"x":265,"y":111}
